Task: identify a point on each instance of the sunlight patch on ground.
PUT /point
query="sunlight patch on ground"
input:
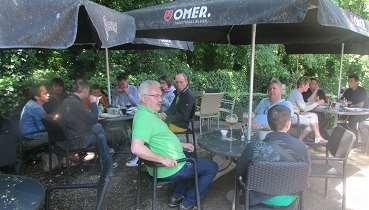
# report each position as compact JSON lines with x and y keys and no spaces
{"x":357,"y":191}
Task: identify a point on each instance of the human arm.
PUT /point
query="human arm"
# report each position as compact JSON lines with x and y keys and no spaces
{"x":312,"y":96}
{"x":139,"y":148}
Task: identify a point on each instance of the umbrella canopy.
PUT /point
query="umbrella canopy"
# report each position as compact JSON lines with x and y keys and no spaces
{"x":151,"y":44}
{"x":54,"y":24}
{"x":279,"y":22}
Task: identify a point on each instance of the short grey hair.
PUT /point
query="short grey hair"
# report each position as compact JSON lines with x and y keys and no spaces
{"x":275,"y":81}
{"x":146,"y":85}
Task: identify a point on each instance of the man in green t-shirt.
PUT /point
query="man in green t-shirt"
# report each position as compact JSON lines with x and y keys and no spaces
{"x":152,"y":140}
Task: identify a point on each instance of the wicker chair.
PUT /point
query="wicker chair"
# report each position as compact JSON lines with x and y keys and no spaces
{"x":209,"y":108}
{"x":275,"y":178}
{"x":160,"y":182}
{"x":337,"y":150}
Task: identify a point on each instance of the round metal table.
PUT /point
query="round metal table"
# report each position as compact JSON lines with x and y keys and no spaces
{"x":216,"y":143}
{"x":19,"y":192}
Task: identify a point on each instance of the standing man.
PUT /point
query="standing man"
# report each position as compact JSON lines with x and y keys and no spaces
{"x":30,"y":123}
{"x":80,"y":123}
{"x":125,"y":94}
{"x":180,"y":111}
{"x":153,"y":141}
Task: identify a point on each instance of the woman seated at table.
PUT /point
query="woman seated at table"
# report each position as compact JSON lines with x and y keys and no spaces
{"x":96,"y":91}
{"x":278,"y":146}
{"x":308,"y":119}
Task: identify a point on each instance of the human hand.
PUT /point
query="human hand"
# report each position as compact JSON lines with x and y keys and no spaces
{"x":94,"y":99}
{"x":163,"y":116}
{"x":168,"y":162}
{"x":188,"y":147}
{"x":255,"y":126}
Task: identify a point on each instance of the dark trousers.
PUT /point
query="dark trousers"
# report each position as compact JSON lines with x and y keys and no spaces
{"x":184,"y":180}
{"x":98,"y":137}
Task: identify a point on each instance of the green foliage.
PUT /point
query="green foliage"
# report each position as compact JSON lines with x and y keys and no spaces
{"x":222,"y":67}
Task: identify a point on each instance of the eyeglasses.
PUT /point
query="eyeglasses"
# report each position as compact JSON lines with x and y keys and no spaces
{"x":154,"y":95}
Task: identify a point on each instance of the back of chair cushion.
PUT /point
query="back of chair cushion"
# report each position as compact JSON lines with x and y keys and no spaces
{"x":340,"y":142}
{"x":278,"y":177}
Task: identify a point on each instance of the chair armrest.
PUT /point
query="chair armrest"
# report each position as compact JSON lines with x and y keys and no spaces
{"x":157,"y":165}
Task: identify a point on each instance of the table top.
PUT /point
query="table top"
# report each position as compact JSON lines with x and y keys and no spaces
{"x":343,"y":111}
{"x":116,"y":118}
{"x":19,"y":192}
{"x":215,"y":142}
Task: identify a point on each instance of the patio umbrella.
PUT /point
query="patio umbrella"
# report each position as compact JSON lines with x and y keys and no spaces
{"x":234,"y":21}
{"x":51,"y":24}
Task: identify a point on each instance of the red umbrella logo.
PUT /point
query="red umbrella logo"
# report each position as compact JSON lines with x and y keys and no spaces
{"x":168,"y":14}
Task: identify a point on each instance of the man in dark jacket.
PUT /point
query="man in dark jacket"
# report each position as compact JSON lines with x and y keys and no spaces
{"x":180,"y":111}
{"x":278,"y":146}
{"x":80,"y":123}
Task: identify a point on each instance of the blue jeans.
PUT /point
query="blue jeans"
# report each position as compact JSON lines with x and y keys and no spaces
{"x":184,"y":180}
{"x":98,"y":137}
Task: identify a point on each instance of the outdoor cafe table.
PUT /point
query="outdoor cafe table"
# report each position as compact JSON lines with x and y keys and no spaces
{"x":19,"y":192}
{"x":117,"y":128}
{"x":216,"y":143}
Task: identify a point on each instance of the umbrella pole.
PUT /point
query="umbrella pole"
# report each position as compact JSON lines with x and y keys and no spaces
{"x":340,"y":77}
{"x":108,"y":73}
{"x":253,"y":35}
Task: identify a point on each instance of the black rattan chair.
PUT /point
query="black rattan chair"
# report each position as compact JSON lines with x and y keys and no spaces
{"x":159,"y":182}
{"x":102,"y":186}
{"x":274,"y":178}
{"x":337,"y":150}
{"x":60,"y":144}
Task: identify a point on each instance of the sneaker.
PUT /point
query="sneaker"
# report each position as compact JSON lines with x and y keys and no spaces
{"x":111,"y":151}
{"x":185,"y":207}
{"x":133,"y":162}
{"x":175,"y":200}
{"x":320,"y":141}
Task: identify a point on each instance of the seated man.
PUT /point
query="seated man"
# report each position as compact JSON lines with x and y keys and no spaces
{"x":57,"y":95}
{"x":314,"y":93}
{"x":274,"y":98}
{"x":278,"y":146}
{"x":308,"y":119}
{"x":30,"y":123}
{"x":153,"y":141}
{"x":179,"y":113}
{"x":124,"y":94}
{"x":80,"y":123}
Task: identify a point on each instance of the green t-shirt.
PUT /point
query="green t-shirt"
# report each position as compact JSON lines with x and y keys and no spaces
{"x":148,"y":127}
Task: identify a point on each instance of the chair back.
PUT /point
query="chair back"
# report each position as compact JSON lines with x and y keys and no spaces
{"x":227,"y":105}
{"x":210,"y":103}
{"x":54,"y":129}
{"x":340,"y":142}
{"x":278,"y":177}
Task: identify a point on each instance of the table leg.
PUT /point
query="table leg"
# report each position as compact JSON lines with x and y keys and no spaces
{"x":235,"y":193}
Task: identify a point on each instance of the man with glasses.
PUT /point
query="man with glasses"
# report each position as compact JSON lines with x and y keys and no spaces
{"x":180,"y":111}
{"x":152,"y":140}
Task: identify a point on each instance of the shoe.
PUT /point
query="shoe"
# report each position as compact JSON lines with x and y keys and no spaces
{"x":175,"y":201}
{"x":111,"y":151}
{"x":133,"y":162}
{"x":320,"y":141}
{"x":185,"y":207}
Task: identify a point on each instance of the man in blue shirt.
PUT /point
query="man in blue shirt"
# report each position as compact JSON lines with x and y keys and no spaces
{"x":274,"y":98}
{"x":30,"y":123}
{"x":125,"y":94}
